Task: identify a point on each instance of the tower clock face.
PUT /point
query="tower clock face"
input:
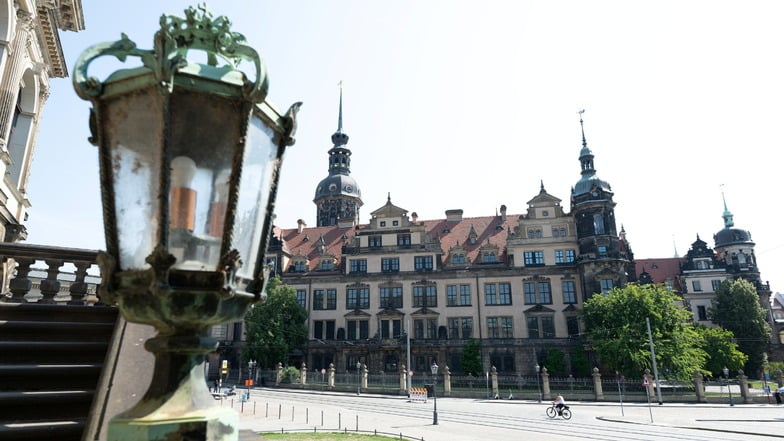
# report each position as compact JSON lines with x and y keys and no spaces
{"x":333,"y":187}
{"x":348,"y":188}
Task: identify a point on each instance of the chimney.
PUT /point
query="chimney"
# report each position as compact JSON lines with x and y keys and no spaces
{"x":300,"y":225}
{"x":454,"y":215}
{"x":503,"y":213}
{"x":414,"y":217}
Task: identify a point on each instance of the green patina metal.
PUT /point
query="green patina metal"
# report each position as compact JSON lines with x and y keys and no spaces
{"x":181,"y":304}
{"x":197,"y":31}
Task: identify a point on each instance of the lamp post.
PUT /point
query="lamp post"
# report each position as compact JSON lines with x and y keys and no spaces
{"x":251,"y":377}
{"x":359,"y":377}
{"x":729,"y":388}
{"x":189,"y":157}
{"x":434,"y":371}
{"x":538,"y":385}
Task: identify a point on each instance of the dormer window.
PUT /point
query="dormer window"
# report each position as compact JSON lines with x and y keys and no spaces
{"x":395,"y":223}
{"x":534,"y":233}
{"x":488,"y":257}
{"x":299,"y":266}
{"x":458,"y":259}
{"x":382,"y":223}
{"x":374,"y":241}
{"x":327,"y":265}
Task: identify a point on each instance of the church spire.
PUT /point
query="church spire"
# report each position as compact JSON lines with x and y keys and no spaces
{"x":728,"y":222}
{"x":586,"y":155}
{"x":339,"y":138}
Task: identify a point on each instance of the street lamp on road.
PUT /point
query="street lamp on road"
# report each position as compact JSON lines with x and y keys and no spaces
{"x":251,"y":377}
{"x":434,"y":371}
{"x":538,"y":386}
{"x":729,"y":389}
{"x":359,"y":377}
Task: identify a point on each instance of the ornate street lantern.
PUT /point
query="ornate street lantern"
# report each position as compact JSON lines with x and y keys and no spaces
{"x":189,"y":155}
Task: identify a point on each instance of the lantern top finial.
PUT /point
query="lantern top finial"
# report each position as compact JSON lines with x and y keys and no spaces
{"x":176,"y":36}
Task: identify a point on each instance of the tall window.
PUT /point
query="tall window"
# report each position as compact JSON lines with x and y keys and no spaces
{"x":425,"y":296}
{"x":391,"y":297}
{"x":537,"y":292}
{"x":318,"y":299}
{"x":425,"y":328}
{"x":715,"y":284}
{"x":564,"y":256}
{"x":569,"y":291}
{"x":498,"y":294}
{"x":357,"y":329}
{"x":390,"y":264}
{"x":458,"y":295}
{"x":548,"y":327}
{"x":606,"y":285}
{"x":390,"y":328}
{"x":598,"y":224}
{"x":531,"y":258}
{"x":500,"y":327}
{"x":358,"y":297}
{"x":302,"y":295}
{"x":533,"y":327}
{"x":572,"y":326}
{"x":545,"y":296}
{"x":324,"y":329}
{"x":696,"y":285}
{"x":358,"y":266}
{"x":702,"y":314}
{"x":423,"y":263}
{"x":492,"y":327}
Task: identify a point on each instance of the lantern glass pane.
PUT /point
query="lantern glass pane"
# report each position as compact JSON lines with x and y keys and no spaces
{"x":133,"y":134}
{"x":258,"y":164}
{"x":205,"y":138}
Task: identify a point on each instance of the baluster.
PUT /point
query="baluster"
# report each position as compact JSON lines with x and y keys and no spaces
{"x":78,"y":288}
{"x":20,"y":284}
{"x":50,"y":286}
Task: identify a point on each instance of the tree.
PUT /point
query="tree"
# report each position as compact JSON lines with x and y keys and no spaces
{"x":616,"y":324}
{"x":737,"y":308}
{"x":472,"y":357}
{"x":722,"y":350}
{"x":554,"y":361}
{"x":274,"y":327}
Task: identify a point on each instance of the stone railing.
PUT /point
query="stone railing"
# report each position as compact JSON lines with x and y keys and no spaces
{"x":48,"y":275}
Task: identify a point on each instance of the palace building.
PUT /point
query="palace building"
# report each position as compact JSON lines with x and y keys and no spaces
{"x":514,"y":281}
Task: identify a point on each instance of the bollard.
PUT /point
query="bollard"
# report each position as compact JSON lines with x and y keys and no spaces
{"x":266,"y":412}
{"x":307,"y":412}
{"x":242,"y":407}
{"x":232,"y":403}
{"x":357,"y":426}
{"x":339,"y":421}
{"x":254,"y":408}
{"x":322,"y":418}
{"x":280,"y":410}
{"x":292,"y":413}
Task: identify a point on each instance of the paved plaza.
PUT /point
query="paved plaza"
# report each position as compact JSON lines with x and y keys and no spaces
{"x":469,"y":419}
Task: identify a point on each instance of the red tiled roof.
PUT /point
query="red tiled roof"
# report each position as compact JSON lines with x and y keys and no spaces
{"x":660,"y":269}
{"x":450,"y":233}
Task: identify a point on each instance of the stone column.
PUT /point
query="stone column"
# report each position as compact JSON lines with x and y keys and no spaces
{"x":545,"y":384}
{"x":303,"y":374}
{"x":494,"y":381}
{"x":278,"y":374}
{"x":364,"y":371}
{"x":447,"y":382}
{"x":403,"y":386}
{"x":744,"y":387}
{"x":699,"y":387}
{"x":331,"y":381}
{"x":597,"y":385}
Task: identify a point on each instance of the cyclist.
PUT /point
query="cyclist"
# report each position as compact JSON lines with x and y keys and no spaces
{"x":559,"y":403}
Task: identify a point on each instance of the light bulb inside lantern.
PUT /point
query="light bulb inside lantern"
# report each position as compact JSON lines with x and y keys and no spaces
{"x":219,"y":201}
{"x":182,"y":211}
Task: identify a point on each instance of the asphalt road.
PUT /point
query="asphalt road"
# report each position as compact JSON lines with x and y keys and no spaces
{"x":467,"y":419}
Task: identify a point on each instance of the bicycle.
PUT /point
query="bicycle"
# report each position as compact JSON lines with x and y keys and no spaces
{"x":565,"y":413}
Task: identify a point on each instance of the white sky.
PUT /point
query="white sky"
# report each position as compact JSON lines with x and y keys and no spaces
{"x":469,"y":104}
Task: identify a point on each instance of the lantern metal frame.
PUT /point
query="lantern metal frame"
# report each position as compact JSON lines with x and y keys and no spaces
{"x":183,"y":304}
